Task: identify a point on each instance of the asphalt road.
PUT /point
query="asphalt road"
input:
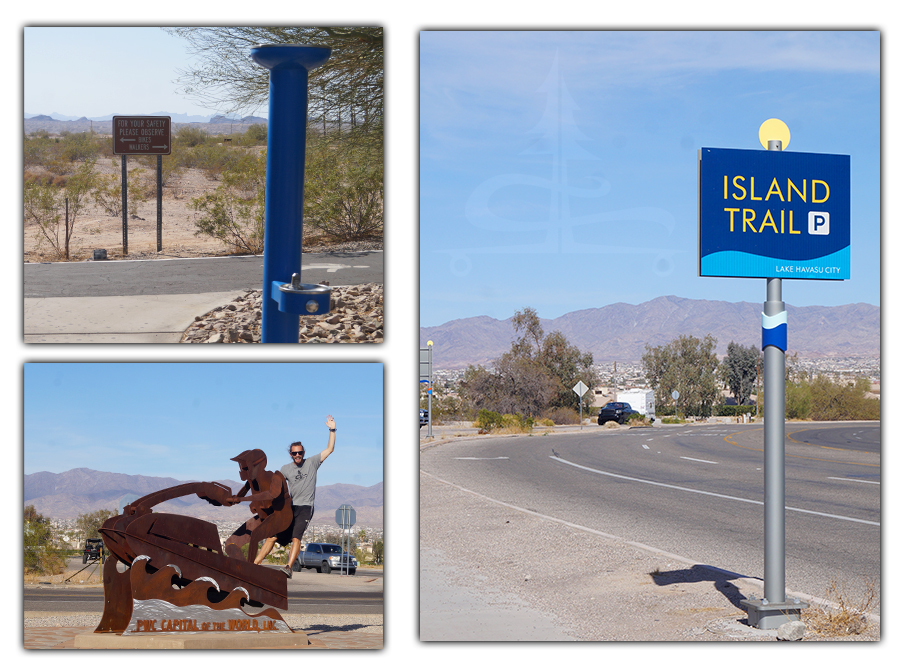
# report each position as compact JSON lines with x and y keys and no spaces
{"x":190,"y":275}
{"x":694,"y":491}
{"x":308,"y":593}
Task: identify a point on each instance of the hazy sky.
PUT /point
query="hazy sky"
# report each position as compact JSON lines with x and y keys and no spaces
{"x":83,"y":71}
{"x":187,"y":420}
{"x":559,"y":169}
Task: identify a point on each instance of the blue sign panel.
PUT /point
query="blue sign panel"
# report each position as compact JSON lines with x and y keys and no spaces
{"x":774,"y":214}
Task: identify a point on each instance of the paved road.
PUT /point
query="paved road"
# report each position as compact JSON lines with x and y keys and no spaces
{"x":308,"y":593}
{"x":190,"y":275}
{"x":695,"y":491}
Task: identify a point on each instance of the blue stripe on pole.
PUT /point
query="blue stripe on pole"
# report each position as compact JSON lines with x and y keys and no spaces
{"x":774,"y":331}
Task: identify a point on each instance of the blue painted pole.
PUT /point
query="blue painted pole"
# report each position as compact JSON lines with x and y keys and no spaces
{"x":289,"y":66}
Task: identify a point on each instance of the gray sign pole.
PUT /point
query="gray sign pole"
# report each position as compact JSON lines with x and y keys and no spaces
{"x":773,"y":610}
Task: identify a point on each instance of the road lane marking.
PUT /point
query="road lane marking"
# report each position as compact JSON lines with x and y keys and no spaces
{"x":645,"y":446}
{"x":861,"y":481}
{"x":710,"y":493}
{"x":699,"y":460}
{"x":639,"y":545}
{"x":476,"y":458}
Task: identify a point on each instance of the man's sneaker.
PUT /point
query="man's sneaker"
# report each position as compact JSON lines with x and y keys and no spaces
{"x":286,"y":569}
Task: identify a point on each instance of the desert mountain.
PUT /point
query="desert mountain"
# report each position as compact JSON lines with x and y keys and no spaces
{"x":620,"y":332}
{"x":68,"y":494}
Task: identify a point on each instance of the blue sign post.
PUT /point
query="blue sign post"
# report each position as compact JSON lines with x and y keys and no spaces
{"x":774,"y":215}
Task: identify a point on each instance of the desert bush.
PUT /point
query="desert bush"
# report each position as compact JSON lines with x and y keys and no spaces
{"x":235,"y":212}
{"x":45,"y":205}
{"x":344,"y":191}
{"x":638,"y":420}
{"x":79,"y":147}
{"x":256,"y":134}
{"x":190,"y":136}
{"x":848,"y":616}
{"x":488,"y":420}
{"x":563,"y":416}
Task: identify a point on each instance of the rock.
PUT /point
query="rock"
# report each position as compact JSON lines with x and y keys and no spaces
{"x":791,"y":631}
{"x":356,"y":316}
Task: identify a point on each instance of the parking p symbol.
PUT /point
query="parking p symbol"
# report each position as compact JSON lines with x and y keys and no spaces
{"x":819,"y":223}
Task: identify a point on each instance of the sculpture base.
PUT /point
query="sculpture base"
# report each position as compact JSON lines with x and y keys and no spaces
{"x":197,"y":641}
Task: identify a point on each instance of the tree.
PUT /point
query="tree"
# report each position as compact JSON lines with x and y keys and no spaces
{"x":42,"y":555}
{"x":738,"y":371}
{"x":345,"y":92}
{"x":87,"y":526}
{"x":686,"y":364}
{"x":378,"y":551}
{"x":535,"y":375}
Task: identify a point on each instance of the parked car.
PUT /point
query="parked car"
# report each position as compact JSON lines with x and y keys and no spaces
{"x":92,"y":550}
{"x":323,"y":557}
{"x":423,"y":417}
{"x":615,"y":411}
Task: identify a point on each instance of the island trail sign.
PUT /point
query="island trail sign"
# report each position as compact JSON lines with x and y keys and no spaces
{"x":774,"y":214}
{"x":142,"y":135}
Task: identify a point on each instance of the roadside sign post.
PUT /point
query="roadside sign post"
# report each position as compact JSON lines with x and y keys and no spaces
{"x":426,"y":376}
{"x":345,"y":518}
{"x":580,"y":389}
{"x":142,"y":136}
{"x":774,"y":215}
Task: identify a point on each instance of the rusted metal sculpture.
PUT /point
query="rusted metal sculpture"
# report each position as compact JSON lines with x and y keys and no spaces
{"x":178,"y":579}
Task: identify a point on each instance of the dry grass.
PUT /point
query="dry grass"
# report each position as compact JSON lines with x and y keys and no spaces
{"x":849,"y":616}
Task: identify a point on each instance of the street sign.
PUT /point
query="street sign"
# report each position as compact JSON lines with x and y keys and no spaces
{"x":580,"y":389}
{"x":142,"y":135}
{"x":774,"y":214}
{"x":345,"y":516}
{"x":425,"y":363}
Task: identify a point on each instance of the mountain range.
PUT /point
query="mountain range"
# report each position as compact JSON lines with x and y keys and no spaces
{"x":79,"y":491}
{"x":176,"y":117}
{"x":621,"y":332}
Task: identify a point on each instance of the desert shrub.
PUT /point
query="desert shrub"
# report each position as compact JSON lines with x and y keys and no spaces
{"x":190,"y":136}
{"x":733,"y":410}
{"x":545,"y":422}
{"x":42,"y":553}
{"x":235,"y":212}
{"x":78,"y":147}
{"x":638,"y":420}
{"x":344,"y":191}
{"x":488,"y":420}
{"x":45,"y":205}
{"x":257,"y":133}
{"x":848,"y":615}
{"x":563,"y":416}
{"x":516,"y":423}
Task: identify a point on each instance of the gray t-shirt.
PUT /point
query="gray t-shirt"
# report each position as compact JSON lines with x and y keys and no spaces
{"x":302,"y":480}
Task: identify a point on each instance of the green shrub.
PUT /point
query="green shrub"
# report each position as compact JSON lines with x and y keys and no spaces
{"x":488,"y":420}
{"x":733,"y":410}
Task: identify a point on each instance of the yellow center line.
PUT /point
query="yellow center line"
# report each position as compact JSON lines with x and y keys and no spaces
{"x":730,"y":441}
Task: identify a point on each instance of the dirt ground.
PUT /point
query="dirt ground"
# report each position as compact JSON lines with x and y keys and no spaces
{"x":96,"y":229}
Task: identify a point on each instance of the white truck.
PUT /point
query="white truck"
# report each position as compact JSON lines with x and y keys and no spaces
{"x":641,"y":400}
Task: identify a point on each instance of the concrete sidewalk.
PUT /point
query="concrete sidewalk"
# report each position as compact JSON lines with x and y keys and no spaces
{"x":117,"y":319}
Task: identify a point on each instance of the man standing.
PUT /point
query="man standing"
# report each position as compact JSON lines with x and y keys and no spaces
{"x":300,"y":474}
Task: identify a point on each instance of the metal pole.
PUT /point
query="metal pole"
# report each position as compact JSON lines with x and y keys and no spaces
{"x":124,"y":204}
{"x":774,"y":454}
{"x":774,"y":441}
{"x":289,"y":66}
{"x":430,"y":385}
{"x":158,"y":203}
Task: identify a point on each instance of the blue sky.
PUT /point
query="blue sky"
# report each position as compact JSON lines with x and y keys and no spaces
{"x":92,"y":72}
{"x":558,"y":170}
{"x":187,"y":420}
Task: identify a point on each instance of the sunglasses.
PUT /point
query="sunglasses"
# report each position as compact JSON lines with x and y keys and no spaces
{"x":296,"y":453}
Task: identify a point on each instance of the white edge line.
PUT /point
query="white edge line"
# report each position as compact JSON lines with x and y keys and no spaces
{"x":638,"y":545}
{"x":859,"y":481}
{"x":699,"y":460}
{"x":709,"y":493}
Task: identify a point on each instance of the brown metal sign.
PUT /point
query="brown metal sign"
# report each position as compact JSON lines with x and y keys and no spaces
{"x":142,"y":135}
